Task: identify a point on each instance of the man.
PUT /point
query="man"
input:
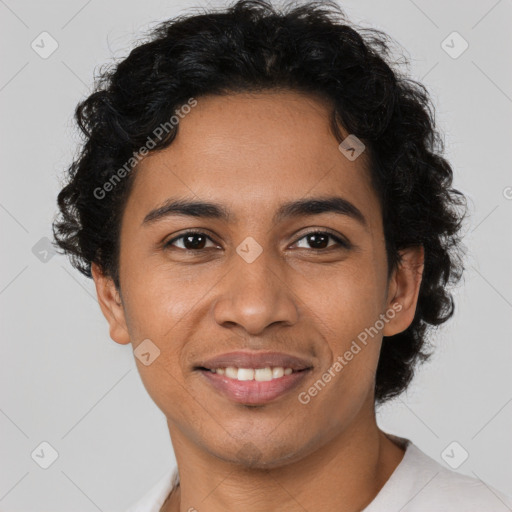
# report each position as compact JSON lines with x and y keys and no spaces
{"x":263,"y":206}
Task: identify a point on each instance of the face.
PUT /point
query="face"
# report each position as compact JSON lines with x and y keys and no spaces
{"x":254,"y":277}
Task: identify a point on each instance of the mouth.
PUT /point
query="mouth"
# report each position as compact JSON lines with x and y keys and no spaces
{"x":254,"y":378}
{"x":266,"y":374}
{"x":250,"y":386}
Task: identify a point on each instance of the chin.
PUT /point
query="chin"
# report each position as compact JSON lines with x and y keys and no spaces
{"x":259,"y":455}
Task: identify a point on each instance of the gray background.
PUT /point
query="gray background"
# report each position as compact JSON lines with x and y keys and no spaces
{"x":65,"y":382}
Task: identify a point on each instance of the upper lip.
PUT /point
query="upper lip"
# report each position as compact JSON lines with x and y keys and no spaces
{"x":241,"y":359}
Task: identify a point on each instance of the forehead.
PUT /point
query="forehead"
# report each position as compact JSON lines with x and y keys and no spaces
{"x":253,"y":151}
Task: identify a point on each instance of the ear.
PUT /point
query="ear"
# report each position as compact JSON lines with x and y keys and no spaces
{"x":111,"y":305}
{"x":403,"y":290}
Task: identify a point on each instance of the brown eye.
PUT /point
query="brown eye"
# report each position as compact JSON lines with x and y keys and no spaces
{"x":320,"y":240}
{"x":191,"y":241}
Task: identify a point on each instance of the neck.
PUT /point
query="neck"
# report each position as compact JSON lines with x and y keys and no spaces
{"x":343,"y":474}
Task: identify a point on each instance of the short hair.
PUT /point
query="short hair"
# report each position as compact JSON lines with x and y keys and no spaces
{"x":251,"y":46}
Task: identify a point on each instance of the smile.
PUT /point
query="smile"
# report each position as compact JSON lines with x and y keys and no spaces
{"x":253,"y":386}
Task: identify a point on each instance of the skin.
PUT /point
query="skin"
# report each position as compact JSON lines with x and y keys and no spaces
{"x":251,"y":153}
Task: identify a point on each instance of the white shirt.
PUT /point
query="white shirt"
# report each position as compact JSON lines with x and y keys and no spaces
{"x":418,"y":484}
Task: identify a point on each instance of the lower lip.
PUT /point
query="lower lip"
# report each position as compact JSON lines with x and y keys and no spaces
{"x":253,"y":392}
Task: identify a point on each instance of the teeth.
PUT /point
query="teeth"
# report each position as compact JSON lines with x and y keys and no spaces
{"x":245,"y":374}
{"x":231,"y":372}
{"x":277,"y":372}
{"x":258,"y":374}
{"x":262,"y":374}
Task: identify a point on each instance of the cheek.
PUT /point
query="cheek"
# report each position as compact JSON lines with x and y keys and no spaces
{"x":344,"y":301}
{"x":156,"y":309}
{"x":345,"y":308}
{"x":158,"y":299}
{"x":345,"y":313}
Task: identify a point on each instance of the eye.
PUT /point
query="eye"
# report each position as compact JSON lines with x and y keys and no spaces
{"x":192,"y":241}
{"x":320,"y":240}
{"x":198,"y":240}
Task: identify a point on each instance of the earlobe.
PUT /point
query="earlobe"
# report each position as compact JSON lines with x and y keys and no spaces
{"x":404,"y":290}
{"x":111,"y":306}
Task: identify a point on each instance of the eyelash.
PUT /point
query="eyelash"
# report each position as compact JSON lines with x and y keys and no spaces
{"x":342,"y":243}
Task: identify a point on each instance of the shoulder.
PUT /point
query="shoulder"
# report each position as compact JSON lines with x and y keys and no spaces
{"x":422,"y":484}
{"x":469,"y":491}
{"x":436,"y":487}
{"x":153,"y":500}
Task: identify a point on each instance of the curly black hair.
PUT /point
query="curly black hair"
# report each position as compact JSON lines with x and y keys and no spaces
{"x":253,"y":46}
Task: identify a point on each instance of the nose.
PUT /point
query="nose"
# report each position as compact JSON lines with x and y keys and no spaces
{"x":254,"y":296}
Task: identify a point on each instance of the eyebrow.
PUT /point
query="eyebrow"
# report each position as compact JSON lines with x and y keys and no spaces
{"x":299,"y":208}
